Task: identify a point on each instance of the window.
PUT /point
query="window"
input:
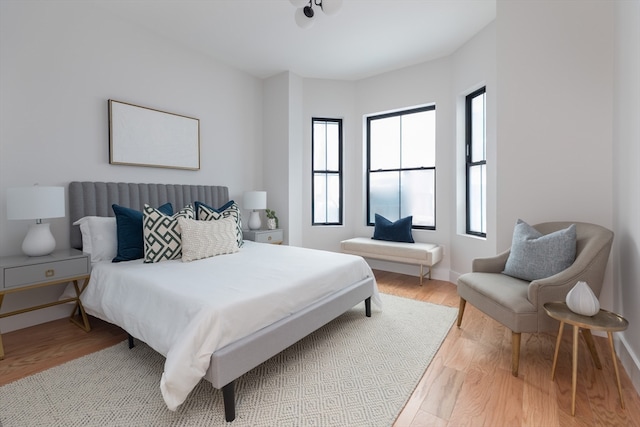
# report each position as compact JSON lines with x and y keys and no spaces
{"x":476,"y":159}
{"x":326,"y":141}
{"x":401,"y":166}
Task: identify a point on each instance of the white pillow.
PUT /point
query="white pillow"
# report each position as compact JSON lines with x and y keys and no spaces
{"x":204,"y":239}
{"x":99,"y":237}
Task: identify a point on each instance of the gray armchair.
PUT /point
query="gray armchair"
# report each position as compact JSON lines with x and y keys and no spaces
{"x":517,"y":304}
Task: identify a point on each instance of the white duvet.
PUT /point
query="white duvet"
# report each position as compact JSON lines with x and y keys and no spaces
{"x":186,"y":311}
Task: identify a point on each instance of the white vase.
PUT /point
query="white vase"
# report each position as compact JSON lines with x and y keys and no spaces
{"x":582,"y":300}
{"x":271,"y":223}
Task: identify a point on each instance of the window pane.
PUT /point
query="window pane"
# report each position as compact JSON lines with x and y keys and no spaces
{"x":333,"y":146}
{"x":319,"y":146}
{"x":419,"y":139}
{"x":333,"y":198}
{"x":384,"y":195}
{"x":319,"y":197}
{"x":385,"y":143}
{"x":478,"y":131}
{"x":477,"y":197}
{"x":418,"y":198}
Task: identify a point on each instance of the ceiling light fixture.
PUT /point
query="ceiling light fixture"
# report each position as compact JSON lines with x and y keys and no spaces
{"x":305,"y":15}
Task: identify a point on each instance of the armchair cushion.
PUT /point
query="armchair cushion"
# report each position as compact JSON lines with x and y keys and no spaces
{"x":535,"y":255}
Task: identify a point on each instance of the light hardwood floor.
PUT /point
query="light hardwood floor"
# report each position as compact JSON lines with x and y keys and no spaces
{"x":468,"y":383}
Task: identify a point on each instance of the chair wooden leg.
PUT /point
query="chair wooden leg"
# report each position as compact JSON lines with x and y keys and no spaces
{"x":515,"y":353}
{"x":463,"y":303}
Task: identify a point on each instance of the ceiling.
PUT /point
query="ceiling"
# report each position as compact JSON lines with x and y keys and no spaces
{"x":364,"y":38}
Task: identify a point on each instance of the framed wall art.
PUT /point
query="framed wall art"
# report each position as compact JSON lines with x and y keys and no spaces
{"x":141,"y":136}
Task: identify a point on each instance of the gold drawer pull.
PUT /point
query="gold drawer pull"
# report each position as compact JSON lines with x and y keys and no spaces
{"x":49,"y":273}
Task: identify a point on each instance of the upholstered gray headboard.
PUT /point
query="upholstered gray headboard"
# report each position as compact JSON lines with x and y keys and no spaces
{"x":96,"y":198}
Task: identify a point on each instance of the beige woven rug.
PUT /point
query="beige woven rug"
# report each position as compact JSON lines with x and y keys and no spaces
{"x":355,"y":371}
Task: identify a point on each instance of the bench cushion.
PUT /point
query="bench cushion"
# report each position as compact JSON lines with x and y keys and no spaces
{"x":412,"y":253}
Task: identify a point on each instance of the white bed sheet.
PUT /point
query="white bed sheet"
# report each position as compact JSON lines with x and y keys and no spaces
{"x":186,"y":311}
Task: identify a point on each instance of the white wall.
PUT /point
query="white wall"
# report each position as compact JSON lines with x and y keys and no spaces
{"x":332,"y":99}
{"x":59,"y":63}
{"x":555,"y":116}
{"x":626,"y":188}
{"x":473,"y":66}
{"x":567,"y":135}
{"x":428,"y":83}
{"x":276,"y":150}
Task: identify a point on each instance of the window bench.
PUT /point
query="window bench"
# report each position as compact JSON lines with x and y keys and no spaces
{"x":422,"y":254}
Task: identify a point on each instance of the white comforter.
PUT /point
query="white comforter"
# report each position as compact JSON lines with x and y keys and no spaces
{"x":186,"y":311}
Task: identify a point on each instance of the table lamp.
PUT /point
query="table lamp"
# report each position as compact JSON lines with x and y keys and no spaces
{"x":254,"y":200}
{"x":36,"y":203}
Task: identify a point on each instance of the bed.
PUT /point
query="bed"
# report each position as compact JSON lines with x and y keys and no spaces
{"x":228,"y":313}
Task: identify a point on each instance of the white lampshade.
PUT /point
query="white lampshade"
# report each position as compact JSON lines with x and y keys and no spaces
{"x":254,"y":200}
{"x":36,"y":203}
{"x":302,"y":20}
{"x":331,"y":7}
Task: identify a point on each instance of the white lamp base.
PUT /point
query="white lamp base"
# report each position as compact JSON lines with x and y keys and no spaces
{"x":39,"y":240}
{"x":254,"y":221}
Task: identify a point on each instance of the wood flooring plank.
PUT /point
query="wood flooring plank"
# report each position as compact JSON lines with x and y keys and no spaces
{"x":446,"y":383}
{"x":425,"y":419}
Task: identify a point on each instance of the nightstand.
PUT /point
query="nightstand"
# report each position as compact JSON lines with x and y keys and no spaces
{"x":20,"y":273}
{"x":275,"y":237}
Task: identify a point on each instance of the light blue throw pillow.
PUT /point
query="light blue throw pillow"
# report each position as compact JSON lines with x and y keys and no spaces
{"x":535,"y":255}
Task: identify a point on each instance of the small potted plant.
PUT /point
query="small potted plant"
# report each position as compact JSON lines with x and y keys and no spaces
{"x":272,"y":219}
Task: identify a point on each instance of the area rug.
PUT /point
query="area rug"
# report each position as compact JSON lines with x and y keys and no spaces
{"x":355,"y":371}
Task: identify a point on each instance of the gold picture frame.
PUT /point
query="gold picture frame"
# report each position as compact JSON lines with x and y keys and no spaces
{"x":142,"y":136}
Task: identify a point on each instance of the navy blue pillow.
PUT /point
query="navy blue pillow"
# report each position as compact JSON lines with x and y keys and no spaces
{"x":129,"y":231}
{"x":399,"y":231}
{"x":219,"y":210}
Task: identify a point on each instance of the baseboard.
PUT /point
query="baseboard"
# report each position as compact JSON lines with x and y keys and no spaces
{"x":629,"y":359}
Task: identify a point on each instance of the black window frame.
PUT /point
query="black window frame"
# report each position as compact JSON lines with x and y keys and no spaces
{"x":369,"y":171}
{"x":339,"y":172}
{"x":469,"y":163}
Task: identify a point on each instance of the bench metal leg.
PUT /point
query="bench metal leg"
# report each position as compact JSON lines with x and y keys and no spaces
{"x":422,"y":274}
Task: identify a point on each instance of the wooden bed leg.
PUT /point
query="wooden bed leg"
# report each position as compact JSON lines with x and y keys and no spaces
{"x":367,"y":307}
{"x":229,"y":402}
{"x":131,"y":343}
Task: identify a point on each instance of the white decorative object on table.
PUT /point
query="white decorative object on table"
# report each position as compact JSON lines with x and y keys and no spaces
{"x":582,"y":300}
{"x":255,"y":201}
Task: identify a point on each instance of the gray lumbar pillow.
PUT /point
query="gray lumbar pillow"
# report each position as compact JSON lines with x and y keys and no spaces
{"x":535,"y":255}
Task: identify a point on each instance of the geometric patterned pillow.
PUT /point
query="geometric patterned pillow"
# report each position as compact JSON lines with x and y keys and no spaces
{"x":207,"y":213}
{"x":162,"y":239}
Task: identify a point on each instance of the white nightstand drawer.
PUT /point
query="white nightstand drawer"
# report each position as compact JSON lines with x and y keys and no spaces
{"x":265,"y":236}
{"x":45,"y":272}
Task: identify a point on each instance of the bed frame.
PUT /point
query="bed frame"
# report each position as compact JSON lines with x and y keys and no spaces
{"x":239,"y":357}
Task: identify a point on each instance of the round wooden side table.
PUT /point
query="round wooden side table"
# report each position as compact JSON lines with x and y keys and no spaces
{"x":602,"y":321}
